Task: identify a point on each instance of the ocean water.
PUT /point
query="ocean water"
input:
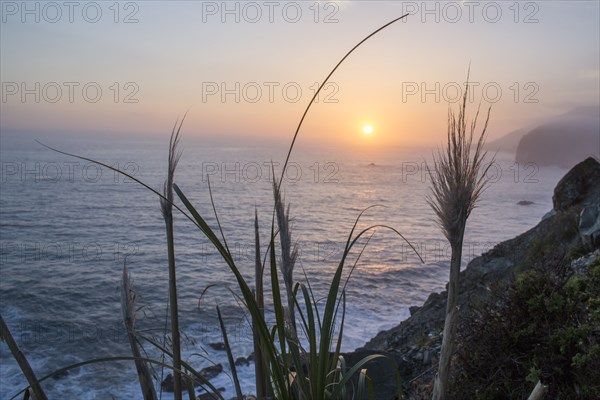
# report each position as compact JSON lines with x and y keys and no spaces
{"x":67,"y":227}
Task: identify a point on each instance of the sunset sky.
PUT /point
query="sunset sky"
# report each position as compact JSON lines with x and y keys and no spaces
{"x":248,"y":69}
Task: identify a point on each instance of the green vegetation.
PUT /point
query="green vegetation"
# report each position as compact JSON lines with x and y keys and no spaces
{"x":545,"y":325}
{"x":553,"y":246}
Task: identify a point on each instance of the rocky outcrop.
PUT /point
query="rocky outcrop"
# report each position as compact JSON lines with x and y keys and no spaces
{"x":573,"y":228}
{"x":581,"y":183}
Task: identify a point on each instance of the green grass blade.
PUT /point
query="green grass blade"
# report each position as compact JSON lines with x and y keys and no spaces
{"x":212,"y":202}
{"x":323,"y":84}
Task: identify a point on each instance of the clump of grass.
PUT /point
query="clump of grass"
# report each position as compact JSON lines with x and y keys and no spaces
{"x":286,"y":369}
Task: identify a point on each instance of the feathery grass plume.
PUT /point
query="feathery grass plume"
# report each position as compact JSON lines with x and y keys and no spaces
{"x":20,"y":358}
{"x":289,"y":253}
{"x":457,"y":183}
{"x":128,"y":307}
{"x":166,"y":205}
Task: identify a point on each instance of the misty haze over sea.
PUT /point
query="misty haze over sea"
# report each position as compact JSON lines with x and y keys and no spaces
{"x":67,"y":226}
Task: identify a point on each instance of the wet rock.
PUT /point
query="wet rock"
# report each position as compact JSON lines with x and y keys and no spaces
{"x":212,"y":371}
{"x":217,"y":346}
{"x":241,"y":361}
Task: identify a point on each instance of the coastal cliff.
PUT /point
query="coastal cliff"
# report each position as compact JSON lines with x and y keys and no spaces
{"x":563,"y":247}
{"x":563,"y":141}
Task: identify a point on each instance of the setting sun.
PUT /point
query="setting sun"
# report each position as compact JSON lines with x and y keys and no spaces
{"x":367,"y":129}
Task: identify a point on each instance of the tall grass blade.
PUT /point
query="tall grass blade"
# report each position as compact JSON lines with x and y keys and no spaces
{"x":167,"y":212}
{"x":259,"y":367}
{"x":287,"y":158}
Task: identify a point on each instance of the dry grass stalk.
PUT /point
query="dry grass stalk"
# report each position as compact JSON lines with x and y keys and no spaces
{"x":128,"y":307}
{"x":457,"y":183}
{"x":5,"y":335}
{"x":289,"y":253}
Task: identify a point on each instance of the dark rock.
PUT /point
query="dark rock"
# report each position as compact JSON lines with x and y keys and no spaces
{"x":250,"y":357}
{"x":589,"y":225}
{"x":524,"y":202}
{"x":210,"y":396}
{"x":581,"y":182}
{"x":549,"y":214}
{"x":209,"y":373}
{"x":241,"y":361}
{"x":413,"y":309}
{"x":217,"y":346}
{"x":212,"y":371}
{"x":168,"y":384}
{"x":427,"y":357}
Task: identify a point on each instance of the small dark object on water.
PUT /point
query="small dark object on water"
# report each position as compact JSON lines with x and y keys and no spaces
{"x":524,"y":202}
